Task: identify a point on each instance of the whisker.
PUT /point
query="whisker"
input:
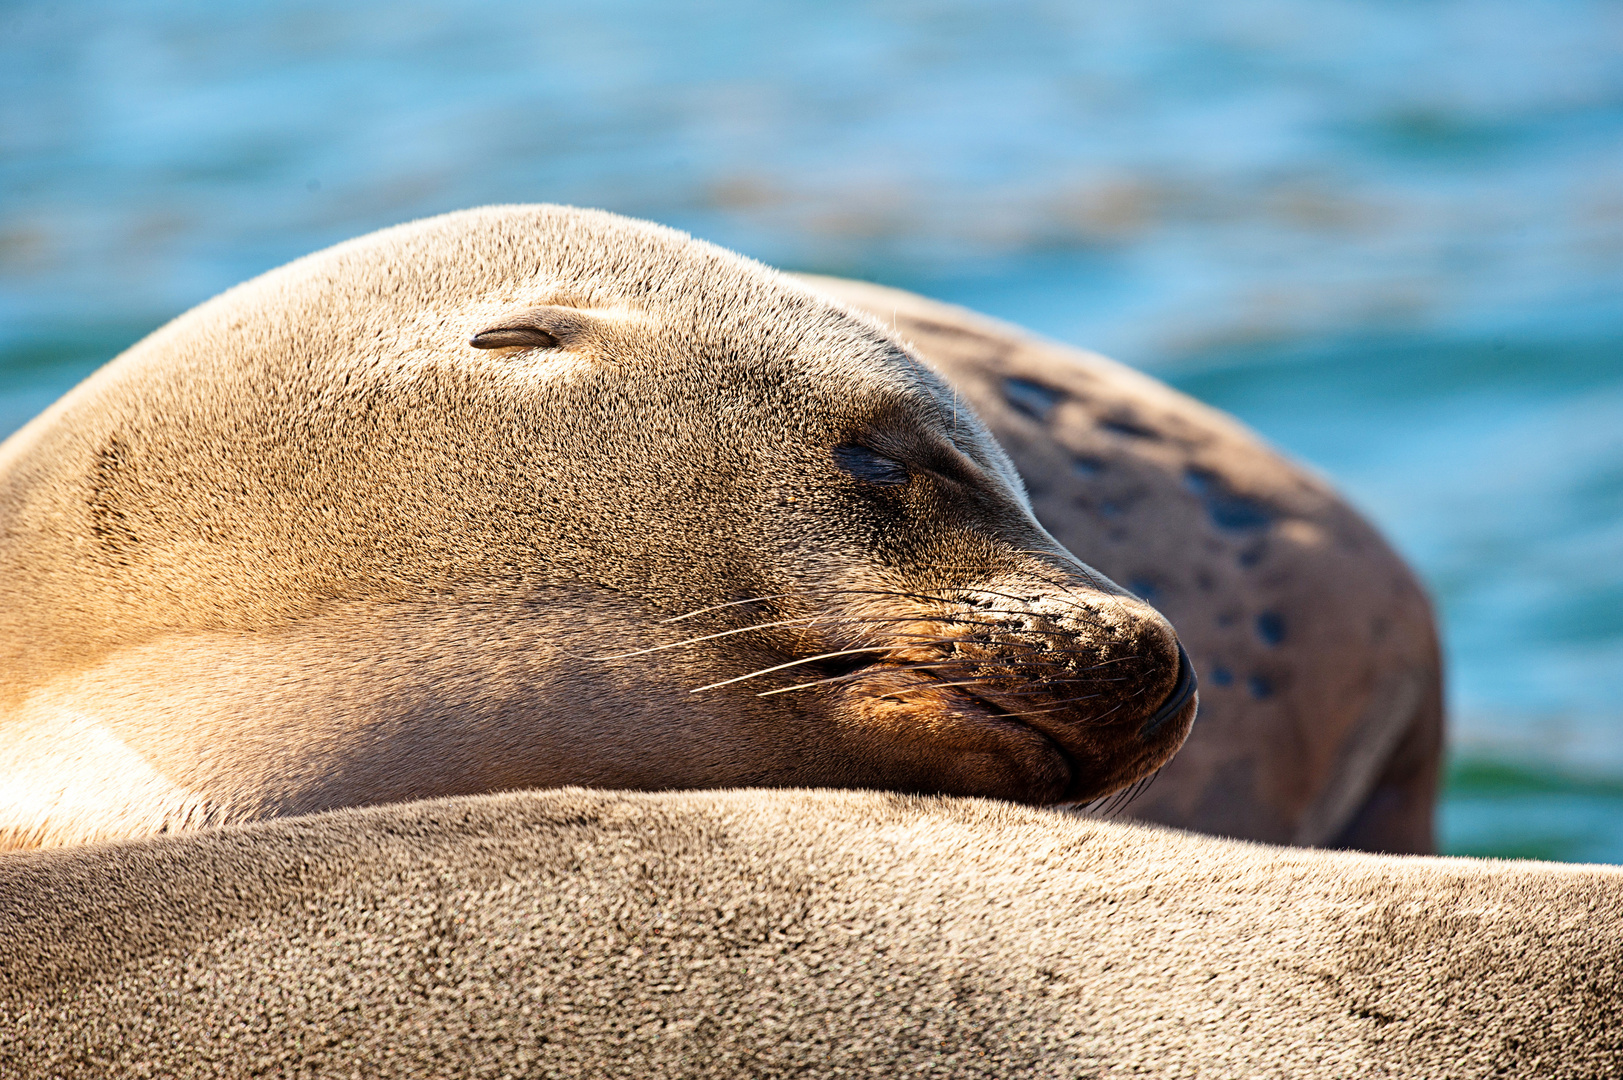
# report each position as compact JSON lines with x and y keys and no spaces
{"x":794,"y":663}
{"x":703,"y":637}
{"x":988,"y":680}
{"x":1088,"y":697}
{"x":867,"y":673}
{"x":1146,"y":784}
{"x":934,"y":666}
{"x":809,"y":620}
{"x":960,"y":603}
{"x":718,"y":607}
{"x":1092,"y":808}
{"x":1022,"y":670}
{"x":1121,"y":798}
{"x":1058,"y":707}
{"x":921,"y":639}
{"x":941,"y":685}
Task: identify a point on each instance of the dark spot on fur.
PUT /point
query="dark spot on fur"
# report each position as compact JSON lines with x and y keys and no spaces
{"x":1123,"y":426}
{"x":1228,"y":511}
{"x":1271,"y":627}
{"x":1086,"y":466}
{"x":953,"y":330}
{"x":1381,"y":1019}
{"x":1031,"y":398}
{"x":1260,"y":687}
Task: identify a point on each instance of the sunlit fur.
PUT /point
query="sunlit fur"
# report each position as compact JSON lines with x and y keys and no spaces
{"x":794,"y":934}
{"x":308,"y":547}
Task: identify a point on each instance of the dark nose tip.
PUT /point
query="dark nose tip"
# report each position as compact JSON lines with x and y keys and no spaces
{"x":1182,"y":691}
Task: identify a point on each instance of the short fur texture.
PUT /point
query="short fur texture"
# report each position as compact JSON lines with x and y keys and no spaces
{"x":530,"y":496}
{"x":1321,"y":714}
{"x":775,"y":934}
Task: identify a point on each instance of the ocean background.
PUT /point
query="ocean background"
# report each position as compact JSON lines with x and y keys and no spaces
{"x":1386,"y":233}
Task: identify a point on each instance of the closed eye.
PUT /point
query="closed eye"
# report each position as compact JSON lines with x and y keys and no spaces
{"x":868,"y":466}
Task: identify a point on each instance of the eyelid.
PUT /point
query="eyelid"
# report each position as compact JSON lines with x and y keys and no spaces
{"x":869,"y":466}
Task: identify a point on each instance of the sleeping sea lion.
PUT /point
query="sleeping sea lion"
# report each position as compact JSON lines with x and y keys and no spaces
{"x":1321,"y":716}
{"x":530,"y":496}
{"x":793,"y":934}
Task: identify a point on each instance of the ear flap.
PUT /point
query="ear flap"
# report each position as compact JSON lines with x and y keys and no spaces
{"x":548,"y":327}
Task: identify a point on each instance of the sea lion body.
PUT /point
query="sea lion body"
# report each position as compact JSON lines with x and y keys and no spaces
{"x":1322,"y":692}
{"x":725,"y":934}
{"x":530,"y":496}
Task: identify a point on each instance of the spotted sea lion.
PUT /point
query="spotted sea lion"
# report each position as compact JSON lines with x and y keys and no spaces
{"x":787,"y":933}
{"x":530,"y":496}
{"x":1321,"y":704}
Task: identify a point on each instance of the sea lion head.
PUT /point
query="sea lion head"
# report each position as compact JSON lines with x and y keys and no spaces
{"x":531,"y":496}
{"x":834,"y":557}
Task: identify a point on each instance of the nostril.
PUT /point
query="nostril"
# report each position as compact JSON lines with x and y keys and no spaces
{"x":1182,"y":691}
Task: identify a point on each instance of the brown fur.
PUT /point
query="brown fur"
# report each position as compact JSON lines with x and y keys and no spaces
{"x":308,"y":547}
{"x":1328,"y":729}
{"x":776,"y":934}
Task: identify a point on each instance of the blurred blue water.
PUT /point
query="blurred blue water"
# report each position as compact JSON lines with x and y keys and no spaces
{"x":1389,"y":235}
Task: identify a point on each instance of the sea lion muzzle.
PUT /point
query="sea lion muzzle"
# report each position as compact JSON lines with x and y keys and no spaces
{"x":1039,"y":689}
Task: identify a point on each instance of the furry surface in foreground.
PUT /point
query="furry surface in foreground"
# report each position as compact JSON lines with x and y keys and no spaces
{"x":729,"y":934}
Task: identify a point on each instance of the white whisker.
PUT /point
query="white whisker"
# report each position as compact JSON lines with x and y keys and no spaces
{"x":718,"y":607}
{"x":795,"y":663}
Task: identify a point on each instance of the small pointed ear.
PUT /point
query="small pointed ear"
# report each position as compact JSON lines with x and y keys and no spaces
{"x":548,"y":327}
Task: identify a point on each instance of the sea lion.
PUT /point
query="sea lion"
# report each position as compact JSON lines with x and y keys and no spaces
{"x":1321,"y":707}
{"x":530,"y":496}
{"x":783,"y":933}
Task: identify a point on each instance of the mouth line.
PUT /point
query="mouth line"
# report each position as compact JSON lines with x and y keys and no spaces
{"x":853,"y":670}
{"x":1182,"y":690}
{"x":1084,"y":772}
{"x":996,"y":714}
{"x":1081,"y":778}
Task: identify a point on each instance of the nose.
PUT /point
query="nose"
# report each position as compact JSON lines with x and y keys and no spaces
{"x":1182,"y":691}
